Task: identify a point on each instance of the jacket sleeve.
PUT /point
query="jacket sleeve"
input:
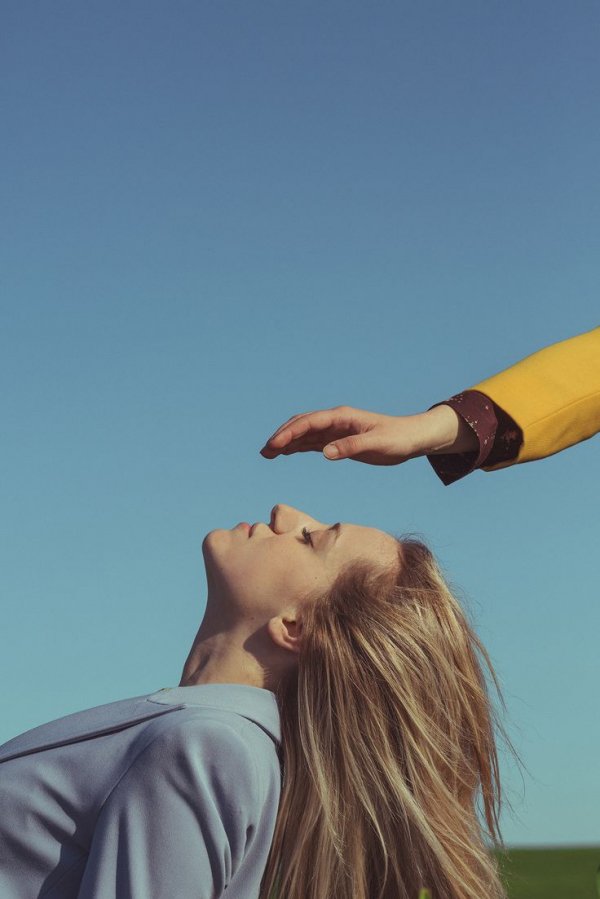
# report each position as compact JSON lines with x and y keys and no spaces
{"x":178,"y":821}
{"x":553,"y":395}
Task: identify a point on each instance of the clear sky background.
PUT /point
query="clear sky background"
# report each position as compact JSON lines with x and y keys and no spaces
{"x":219,"y":214}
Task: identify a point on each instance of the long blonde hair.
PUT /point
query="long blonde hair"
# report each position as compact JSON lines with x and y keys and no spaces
{"x":387,"y":743}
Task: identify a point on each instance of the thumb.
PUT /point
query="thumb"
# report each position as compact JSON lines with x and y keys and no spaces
{"x":347,"y":447}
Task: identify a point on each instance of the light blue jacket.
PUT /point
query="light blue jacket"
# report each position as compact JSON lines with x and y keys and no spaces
{"x":171,"y":795}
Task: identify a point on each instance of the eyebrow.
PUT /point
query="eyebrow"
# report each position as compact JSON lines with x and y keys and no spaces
{"x":336,"y":529}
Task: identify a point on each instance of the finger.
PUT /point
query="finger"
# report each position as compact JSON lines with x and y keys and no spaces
{"x":348,"y":447}
{"x":300,"y":449}
{"x":287,"y":423}
{"x":336,"y":412}
{"x":309,"y":421}
{"x":312,"y":439}
{"x":290,"y":421}
{"x":295,"y":447}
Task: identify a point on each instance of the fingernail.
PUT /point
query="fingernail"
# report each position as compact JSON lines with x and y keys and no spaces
{"x":331,"y":451}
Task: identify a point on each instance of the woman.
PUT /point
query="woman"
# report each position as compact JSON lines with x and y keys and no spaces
{"x":336,"y":655}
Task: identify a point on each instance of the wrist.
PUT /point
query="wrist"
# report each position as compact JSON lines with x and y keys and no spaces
{"x":448,"y":432}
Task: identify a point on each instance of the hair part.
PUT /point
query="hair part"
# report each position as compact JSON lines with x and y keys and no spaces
{"x":387,"y":744}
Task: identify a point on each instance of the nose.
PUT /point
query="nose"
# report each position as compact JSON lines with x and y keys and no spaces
{"x":287,"y":518}
{"x":278,"y":513}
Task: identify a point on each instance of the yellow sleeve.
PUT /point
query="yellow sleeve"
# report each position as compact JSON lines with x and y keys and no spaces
{"x":553,"y":395}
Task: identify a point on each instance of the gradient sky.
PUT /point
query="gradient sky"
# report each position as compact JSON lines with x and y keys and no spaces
{"x":219,"y":214}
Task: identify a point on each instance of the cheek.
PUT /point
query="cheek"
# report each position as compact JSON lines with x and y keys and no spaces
{"x":272,"y":577}
{"x":262,"y":574}
{"x":254,"y":573}
{"x":308,"y":574}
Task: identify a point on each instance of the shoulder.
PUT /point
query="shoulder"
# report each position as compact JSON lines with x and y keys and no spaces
{"x":214,"y":751}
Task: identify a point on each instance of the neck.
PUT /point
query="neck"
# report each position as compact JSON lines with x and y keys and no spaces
{"x":220,"y":656}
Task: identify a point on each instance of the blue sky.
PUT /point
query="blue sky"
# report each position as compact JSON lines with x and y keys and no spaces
{"x":220,"y":214}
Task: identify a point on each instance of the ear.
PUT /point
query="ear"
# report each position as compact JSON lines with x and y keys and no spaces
{"x":286,"y":631}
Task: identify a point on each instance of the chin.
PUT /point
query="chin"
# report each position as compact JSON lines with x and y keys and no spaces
{"x":212,"y":536}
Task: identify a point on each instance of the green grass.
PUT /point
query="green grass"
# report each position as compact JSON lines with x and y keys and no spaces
{"x":551,"y":873}
{"x":546,"y":874}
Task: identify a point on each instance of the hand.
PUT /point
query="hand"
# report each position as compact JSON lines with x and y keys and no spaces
{"x":372,"y":437}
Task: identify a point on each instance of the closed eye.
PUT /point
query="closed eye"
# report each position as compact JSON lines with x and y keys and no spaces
{"x":307,"y":536}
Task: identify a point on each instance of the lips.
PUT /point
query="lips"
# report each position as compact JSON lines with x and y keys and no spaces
{"x":252,"y":528}
{"x":259,"y":524}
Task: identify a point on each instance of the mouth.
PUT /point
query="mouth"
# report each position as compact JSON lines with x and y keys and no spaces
{"x":250,"y":529}
{"x":259,"y":524}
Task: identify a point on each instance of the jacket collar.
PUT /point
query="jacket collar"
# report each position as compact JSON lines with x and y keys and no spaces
{"x":255,"y":703}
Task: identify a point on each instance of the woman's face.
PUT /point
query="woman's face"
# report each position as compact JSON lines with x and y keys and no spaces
{"x":260,"y":574}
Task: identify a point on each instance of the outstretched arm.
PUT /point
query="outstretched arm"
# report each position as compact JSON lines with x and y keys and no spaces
{"x":539,"y":406}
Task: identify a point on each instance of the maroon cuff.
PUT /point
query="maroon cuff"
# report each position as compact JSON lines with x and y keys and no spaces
{"x":508,"y":439}
{"x":480,"y":414}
